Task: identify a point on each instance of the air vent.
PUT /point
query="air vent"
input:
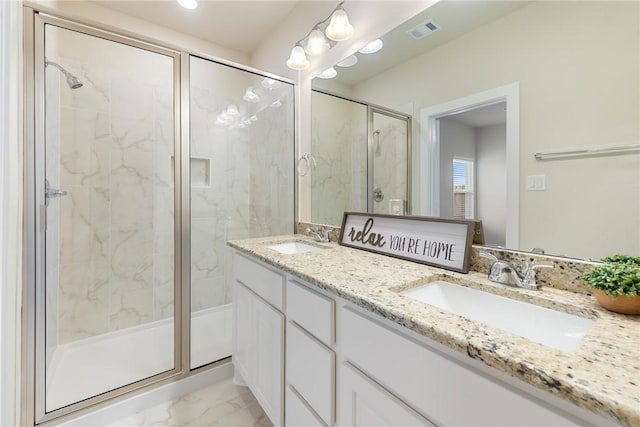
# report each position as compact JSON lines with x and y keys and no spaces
{"x":423,"y":30}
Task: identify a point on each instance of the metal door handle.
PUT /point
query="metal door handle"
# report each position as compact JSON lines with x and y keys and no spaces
{"x":52,"y":193}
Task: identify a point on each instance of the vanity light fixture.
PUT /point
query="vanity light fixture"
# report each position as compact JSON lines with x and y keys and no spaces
{"x":336,"y":27}
{"x":188,"y":4}
{"x":275,"y":104}
{"x":232,"y":110}
{"x":317,"y":44}
{"x":339,"y":28}
{"x":250,"y":95}
{"x":372,"y":47}
{"x":298,"y":60}
{"x":329,"y":73}
{"x":349,"y":61}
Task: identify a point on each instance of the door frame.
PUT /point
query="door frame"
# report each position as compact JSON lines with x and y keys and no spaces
{"x":429,"y":158}
{"x":371,"y":148}
{"x":34,"y":274}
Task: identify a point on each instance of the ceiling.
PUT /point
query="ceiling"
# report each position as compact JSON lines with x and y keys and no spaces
{"x":483,"y":116}
{"x":454,"y":17}
{"x":238,"y":25}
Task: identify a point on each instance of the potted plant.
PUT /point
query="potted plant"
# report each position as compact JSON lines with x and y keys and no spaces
{"x":616,"y":283}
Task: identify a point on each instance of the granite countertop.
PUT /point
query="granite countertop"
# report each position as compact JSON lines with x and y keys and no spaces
{"x":602,"y":375}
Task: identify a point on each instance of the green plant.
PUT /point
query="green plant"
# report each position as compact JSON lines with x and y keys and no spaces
{"x":623,"y":259}
{"x":619,"y":275}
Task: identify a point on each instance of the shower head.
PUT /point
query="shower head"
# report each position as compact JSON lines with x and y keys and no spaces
{"x":72,"y":81}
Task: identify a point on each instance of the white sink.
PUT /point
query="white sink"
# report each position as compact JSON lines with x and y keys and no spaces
{"x":545,"y":326}
{"x":291,"y":248}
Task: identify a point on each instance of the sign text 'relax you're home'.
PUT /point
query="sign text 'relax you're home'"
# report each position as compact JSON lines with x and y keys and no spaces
{"x":444,"y":243}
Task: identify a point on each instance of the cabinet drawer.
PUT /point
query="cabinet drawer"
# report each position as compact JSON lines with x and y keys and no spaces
{"x":266,"y":283}
{"x":310,"y":369}
{"x":298,"y":413}
{"x":434,"y":384}
{"x":311,"y":310}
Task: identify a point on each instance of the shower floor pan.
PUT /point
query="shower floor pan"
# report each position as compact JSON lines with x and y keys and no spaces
{"x":95,"y":365}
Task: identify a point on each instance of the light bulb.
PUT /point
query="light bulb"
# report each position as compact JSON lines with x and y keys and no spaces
{"x":276,"y":104}
{"x":298,"y":60}
{"x":339,"y":28}
{"x":372,"y":47}
{"x":232,"y":110}
{"x":250,"y":95}
{"x":317,"y":44}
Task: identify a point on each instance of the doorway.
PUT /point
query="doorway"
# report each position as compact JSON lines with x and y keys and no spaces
{"x":466,"y":168}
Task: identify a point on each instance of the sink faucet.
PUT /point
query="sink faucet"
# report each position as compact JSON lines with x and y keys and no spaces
{"x":319,"y":234}
{"x":506,"y":274}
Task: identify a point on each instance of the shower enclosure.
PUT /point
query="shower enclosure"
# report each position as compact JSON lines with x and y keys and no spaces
{"x":142,"y":161}
{"x":359,"y":159}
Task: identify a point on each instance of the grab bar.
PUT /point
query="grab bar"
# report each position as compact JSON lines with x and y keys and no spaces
{"x":587,"y":151}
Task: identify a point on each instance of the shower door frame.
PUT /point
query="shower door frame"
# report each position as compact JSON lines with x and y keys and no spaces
{"x":34,"y":351}
{"x":371,"y":148}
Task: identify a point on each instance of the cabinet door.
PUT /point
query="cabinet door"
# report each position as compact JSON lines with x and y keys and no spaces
{"x":259,"y":350}
{"x":298,"y":414}
{"x":244,"y":355}
{"x":363,"y":403}
{"x":269,"y":378}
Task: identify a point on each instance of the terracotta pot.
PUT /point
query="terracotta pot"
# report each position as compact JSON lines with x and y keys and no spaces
{"x":621,"y":304}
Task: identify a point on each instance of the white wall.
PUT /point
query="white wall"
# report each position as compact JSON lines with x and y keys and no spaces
{"x":577,"y":64}
{"x":92,"y":13}
{"x":491,"y":187}
{"x":456,"y":140}
{"x":10,"y":208}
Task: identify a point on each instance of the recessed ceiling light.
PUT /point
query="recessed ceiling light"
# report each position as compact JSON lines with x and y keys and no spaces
{"x":349,"y":61}
{"x":188,"y":4}
{"x":372,"y":47}
{"x":329,"y":73}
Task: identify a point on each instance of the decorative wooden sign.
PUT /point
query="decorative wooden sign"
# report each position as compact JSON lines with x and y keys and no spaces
{"x":444,"y":243}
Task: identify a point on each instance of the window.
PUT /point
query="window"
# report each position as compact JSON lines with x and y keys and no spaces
{"x":463,"y":183}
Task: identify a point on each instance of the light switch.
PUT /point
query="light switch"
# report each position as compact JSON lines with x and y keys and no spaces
{"x":536,"y":182}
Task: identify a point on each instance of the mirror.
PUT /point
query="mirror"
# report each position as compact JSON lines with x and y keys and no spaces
{"x":573,"y":70}
{"x":359,"y":159}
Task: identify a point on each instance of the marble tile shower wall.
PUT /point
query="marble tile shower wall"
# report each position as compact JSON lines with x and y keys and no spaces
{"x":219,"y":198}
{"x":390,"y":160}
{"x":339,"y":146}
{"x":271,"y":210}
{"x":116,"y":224}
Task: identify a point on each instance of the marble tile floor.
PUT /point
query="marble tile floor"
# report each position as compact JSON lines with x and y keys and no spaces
{"x":220,"y":404}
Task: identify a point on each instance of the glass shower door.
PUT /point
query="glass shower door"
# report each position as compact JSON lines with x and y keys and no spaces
{"x":108,"y":294}
{"x":388,"y":162}
{"x":241,"y":131}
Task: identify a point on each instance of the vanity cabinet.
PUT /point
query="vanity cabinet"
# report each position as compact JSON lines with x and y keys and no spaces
{"x":339,"y":364}
{"x":259,"y":334}
{"x":365,"y":403}
{"x":310,"y":359}
{"x":430,"y":384}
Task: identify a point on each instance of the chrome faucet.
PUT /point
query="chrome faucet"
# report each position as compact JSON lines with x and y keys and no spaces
{"x":506,"y":274}
{"x":319,"y":234}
